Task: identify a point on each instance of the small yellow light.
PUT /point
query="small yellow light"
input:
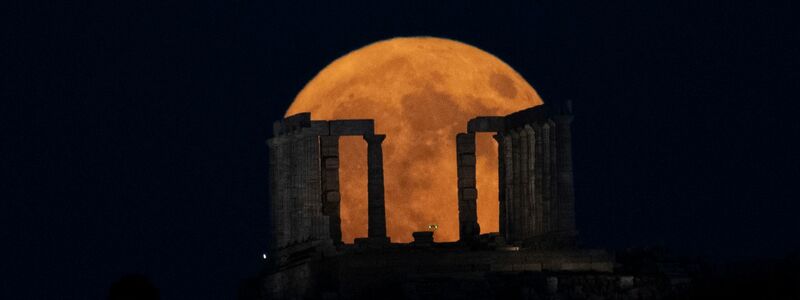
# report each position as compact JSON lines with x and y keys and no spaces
{"x":433,"y":227}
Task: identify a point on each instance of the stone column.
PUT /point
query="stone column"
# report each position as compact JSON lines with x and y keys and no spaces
{"x":469,"y":229}
{"x":538,"y":192}
{"x":553,"y":177}
{"x":276,"y":207}
{"x":507,"y":185}
{"x":532,"y":187}
{"x":525,"y":204}
{"x":501,"y":192}
{"x":329,"y":164}
{"x":547,"y":200}
{"x":298,"y":213}
{"x":517,"y":202}
{"x":376,"y":221}
{"x":566,"y":192}
{"x":312,"y":194}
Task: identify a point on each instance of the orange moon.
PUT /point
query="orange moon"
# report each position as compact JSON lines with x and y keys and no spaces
{"x":421,"y":91}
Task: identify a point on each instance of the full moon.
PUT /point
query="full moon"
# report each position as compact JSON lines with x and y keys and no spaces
{"x":421,"y":91}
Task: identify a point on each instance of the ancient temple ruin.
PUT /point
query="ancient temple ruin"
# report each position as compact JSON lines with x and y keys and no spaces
{"x":537,"y":202}
{"x":535,"y":166}
{"x":537,"y":210}
{"x":304,"y":183}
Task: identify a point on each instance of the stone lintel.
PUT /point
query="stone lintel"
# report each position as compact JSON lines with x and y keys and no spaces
{"x":485,"y":124}
{"x":352,"y":127}
{"x":320,"y":128}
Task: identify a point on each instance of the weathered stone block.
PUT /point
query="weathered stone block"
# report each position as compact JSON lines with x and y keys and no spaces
{"x":329,"y":145}
{"x":467,"y":216}
{"x":332,"y":197}
{"x":332,"y":163}
{"x":466,"y":182}
{"x":331,"y":179}
{"x":469,"y":193}
{"x":465,"y":143}
{"x":319,"y":128}
{"x":466,"y":172}
{"x":468,"y":160}
{"x":331,"y":209}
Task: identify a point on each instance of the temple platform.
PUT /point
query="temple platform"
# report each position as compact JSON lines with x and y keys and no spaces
{"x":365,"y":271}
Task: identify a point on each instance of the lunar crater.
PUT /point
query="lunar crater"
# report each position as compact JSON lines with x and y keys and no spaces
{"x":503,"y":85}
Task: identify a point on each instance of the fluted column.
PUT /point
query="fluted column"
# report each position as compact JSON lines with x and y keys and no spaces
{"x":278,"y":192}
{"x":299,"y":218}
{"x":508,"y":186}
{"x":553,"y":178}
{"x":501,"y":191}
{"x":376,"y":221}
{"x":565,"y":185}
{"x":526,"y":204}
{"x":547,"y":200}
{"x":538,"y":179}
{"x":530,"y":181}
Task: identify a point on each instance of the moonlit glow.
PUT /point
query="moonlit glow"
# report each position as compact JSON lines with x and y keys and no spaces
{"x":421,"y":92}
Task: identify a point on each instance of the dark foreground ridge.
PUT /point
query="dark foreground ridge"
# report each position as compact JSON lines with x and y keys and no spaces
{"x":638,"y":274}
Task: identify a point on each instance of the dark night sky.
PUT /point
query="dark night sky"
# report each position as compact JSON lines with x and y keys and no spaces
{"x":135,"y":135}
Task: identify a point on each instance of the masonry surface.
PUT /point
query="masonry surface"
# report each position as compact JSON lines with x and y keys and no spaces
{"x":537,"y":237}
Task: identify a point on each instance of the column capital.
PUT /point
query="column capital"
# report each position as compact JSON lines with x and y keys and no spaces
{"x":498,"y":137}
{"x":374,"y":138}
